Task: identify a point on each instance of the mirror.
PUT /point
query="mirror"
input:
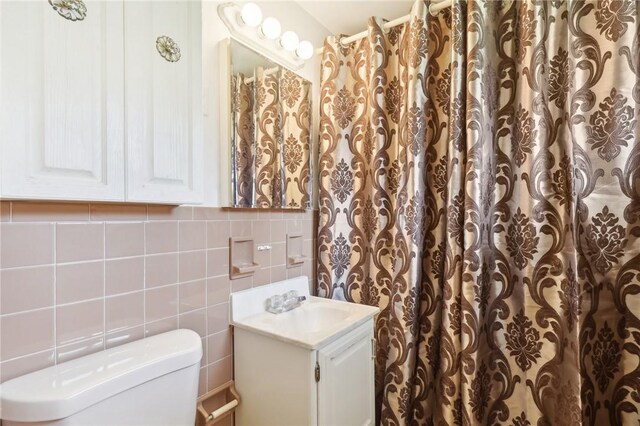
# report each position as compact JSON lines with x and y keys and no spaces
{"x":270,"y":133}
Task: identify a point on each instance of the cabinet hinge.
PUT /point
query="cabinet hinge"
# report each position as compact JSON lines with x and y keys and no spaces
{"x":317,"y":372}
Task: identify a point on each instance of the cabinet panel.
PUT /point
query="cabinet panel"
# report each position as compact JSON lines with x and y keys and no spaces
{"x":164,"y":101}
{"x":62,"y":98}
{"x":277,"y":386}
{"x":346,"y":386}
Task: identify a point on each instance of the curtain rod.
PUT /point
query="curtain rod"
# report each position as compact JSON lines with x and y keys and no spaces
{"x":435,"y":7}
{"x":266,"y":72}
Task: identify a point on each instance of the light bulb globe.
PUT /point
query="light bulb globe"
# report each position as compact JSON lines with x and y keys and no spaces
{"x":305,"y":50}
{"x":251,"y":14}
{"x":271,"y":28}
{"x":289,"y":41}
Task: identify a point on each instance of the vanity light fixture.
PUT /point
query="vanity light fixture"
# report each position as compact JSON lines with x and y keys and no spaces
{"x":251,"y":14}
{"x":270,"y":28}
{"x":246,"y":25}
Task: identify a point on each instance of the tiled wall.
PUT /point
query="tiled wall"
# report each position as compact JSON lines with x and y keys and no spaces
{"x":78,"y":278}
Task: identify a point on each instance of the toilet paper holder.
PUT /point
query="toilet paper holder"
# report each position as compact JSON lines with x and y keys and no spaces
{"x":224,"y":397}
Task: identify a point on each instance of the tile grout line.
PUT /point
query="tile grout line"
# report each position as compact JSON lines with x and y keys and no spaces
{"x":144,"y":277}
{"x":111,"y":296}
{"x":104,"y":285}
{"x":206,"y":304}
{"x":177,"y":310}
{"x":1,"y":360}
{"x":81,"y":262}
{"x":55,"y":293}
{"x":21,"y":357}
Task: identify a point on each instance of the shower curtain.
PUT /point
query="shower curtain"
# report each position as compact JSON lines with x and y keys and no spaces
{"x":296,"y":139}
{"x":480,"y":183}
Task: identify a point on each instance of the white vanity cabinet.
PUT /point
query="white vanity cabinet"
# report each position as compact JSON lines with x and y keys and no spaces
{"x":313,"y":365}
{"x":346,"y":394}
{"x":92,"y":110}
{"x":284,"y":384}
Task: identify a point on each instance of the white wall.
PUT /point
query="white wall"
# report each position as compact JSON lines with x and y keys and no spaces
{"x":292,"y":17}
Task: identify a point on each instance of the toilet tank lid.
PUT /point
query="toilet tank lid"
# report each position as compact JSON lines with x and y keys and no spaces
{"x":67,"y":388}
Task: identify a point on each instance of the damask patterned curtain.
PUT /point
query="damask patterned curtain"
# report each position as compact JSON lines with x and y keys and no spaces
{"x":480,"y":183}
{"x":243,"y":146}
{"x":271,"y":139}
{"x":296,"y":122}
{"x":268,"y":138}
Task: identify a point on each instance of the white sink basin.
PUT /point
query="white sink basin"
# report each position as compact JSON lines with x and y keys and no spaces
{"x":313,"y":317}
{"x":315,"y":323}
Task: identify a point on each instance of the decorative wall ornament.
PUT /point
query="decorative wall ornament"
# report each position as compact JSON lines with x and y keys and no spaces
{"x":168,"y":48}
{"x":73,"y":10}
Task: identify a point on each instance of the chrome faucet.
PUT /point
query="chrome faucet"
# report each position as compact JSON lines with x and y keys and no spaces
{"x":280,"y":303}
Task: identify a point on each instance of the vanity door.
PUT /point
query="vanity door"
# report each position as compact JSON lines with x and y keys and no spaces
{"x":61,"y":97}
{"x":346,"y":394}
{"x":163,"y":58}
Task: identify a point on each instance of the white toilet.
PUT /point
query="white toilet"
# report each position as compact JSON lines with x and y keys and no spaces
{"x":153,"y":381}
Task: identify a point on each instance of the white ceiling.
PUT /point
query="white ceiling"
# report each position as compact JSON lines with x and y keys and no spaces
{"x":350,"y":17}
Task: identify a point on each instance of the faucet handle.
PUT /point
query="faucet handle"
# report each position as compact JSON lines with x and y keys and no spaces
{"x":290,"y":300}
{"x":276,"y":303}
{"x":284,"y":302}
{"x":291,"y":294}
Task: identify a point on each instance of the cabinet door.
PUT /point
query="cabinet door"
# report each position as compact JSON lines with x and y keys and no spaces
{"x":346,"y":387}
{"x":163,"y":57}
{"x":61,"y":97}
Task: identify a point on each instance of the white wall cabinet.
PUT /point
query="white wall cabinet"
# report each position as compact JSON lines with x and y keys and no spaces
{"x":164,"y":101}
{"x":62,"y":102}
{"x":90,"y":108}
{"x":291,"y":385}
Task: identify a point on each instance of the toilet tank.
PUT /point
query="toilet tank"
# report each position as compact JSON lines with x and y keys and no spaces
{"x":153,"y":381}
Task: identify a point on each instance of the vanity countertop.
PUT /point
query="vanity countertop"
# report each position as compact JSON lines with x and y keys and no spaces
{"x":317,"y":322}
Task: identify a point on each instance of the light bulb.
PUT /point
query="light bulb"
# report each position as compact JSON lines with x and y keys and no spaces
{"x":305,"y":49}
{"x":289,"y":41}
{"x":251,"y":14}
{"x":271,"y":28}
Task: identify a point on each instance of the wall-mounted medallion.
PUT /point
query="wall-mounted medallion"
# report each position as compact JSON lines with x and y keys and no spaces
{"x":73,"y":10}
{"x":168,"y":48}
